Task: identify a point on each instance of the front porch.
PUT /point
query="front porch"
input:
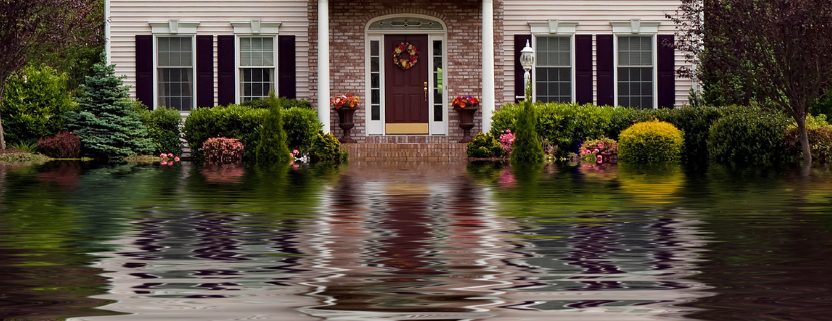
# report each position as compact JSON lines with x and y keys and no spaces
{"x":455,"y":43}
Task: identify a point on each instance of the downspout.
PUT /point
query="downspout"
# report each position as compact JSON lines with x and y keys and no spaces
{"x":107,"y":45}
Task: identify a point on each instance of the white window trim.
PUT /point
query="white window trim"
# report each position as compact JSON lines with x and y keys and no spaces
{"x":254,"y":28}
{"x":636,"y":27}
{"x":189,"y":33}
{"x":174,"y":27}
{"x":554,"y":28}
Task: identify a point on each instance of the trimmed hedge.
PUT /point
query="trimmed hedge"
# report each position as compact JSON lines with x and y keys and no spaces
{"x":569,"y":125}
{"x":651,"y":142}
{"x":163,"y":128}
{"x":749,"y":139}
{"x":244,"y":123}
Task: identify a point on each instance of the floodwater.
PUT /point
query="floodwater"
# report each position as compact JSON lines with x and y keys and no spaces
{"x":371,"y":242}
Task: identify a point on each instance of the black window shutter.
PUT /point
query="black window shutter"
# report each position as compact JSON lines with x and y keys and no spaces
{"x":286,"y":67}
{"x":583,"y":69}
{"x":205,"y":71}
{"x":666,"y":71}
{"x":226,"y":79}
{"x":144,"y":69}
{"x":606,"y":63}
{"x":519,"y":86}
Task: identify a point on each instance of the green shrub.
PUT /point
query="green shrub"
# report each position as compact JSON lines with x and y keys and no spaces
{"x":163,"y":127}
{"x":527,"y":146}
{"x":820,"y":140}
{"x":745,"y":138}
{"x":484,"y":146}
{"x":233,"y":121}
{"x":244,"y":123}
{"x":35,"y":102}
{"x":285,"y":103}
{"x":107,"y":123}
{"x":650,"y":143}
{"x":301,"y":125}
{"x":569,"y":125}
{"x":326,"y":148}
{"x":271,"y":148}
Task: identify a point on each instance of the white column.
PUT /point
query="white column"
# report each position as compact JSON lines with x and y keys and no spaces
{"x":488,"y":101}
{"x":323,"y":63}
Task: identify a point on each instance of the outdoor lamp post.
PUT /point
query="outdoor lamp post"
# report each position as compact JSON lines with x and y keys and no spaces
{"x":527,"y":61}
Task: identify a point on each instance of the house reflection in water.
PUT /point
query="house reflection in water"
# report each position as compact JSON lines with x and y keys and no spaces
{"x":421,"y":245}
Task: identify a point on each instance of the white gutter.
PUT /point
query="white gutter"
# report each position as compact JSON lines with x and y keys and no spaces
{"x":107,"y":45}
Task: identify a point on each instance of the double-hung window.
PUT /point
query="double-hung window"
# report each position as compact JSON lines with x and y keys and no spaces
{"x":175,"y":72}
{"x":553,"y":70}
{"x":257,"y":67}
{"x":635,"y":71}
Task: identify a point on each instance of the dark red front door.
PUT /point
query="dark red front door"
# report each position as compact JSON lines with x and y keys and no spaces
{"x":406,"y":102}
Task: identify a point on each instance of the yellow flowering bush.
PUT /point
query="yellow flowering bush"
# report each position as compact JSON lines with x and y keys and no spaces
{"x":651,"y":142}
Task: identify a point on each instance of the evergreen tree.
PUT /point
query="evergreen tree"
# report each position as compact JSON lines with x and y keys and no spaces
{"x":106,"y":122}
{"x":528,"y":149}
{"x":271,"y":149}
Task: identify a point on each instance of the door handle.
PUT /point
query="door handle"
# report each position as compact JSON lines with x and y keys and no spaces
{"x":426,"y":91}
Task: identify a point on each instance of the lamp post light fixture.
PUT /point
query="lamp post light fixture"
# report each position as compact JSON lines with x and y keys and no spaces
{"x":527,"y":61}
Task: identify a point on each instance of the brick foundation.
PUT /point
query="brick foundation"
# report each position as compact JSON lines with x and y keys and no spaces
{"x":407,"y":149}
{"x":348,"y":20}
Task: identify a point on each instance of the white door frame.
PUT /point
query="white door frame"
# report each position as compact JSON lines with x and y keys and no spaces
{"x":377,"y":127}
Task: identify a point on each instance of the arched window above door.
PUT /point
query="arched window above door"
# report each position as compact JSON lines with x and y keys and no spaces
{"x":406,"y":23}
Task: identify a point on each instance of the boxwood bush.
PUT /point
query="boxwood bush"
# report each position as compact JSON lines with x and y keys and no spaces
{"x":163,"y":128}
{"x":651,"y":142}
{"x":244,"y":123}
{"x":35,"y":103}
{"x":484,"y":146}
{"x":748,"y":138}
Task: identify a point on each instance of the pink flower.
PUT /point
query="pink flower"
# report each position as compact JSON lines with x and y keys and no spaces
{"x":170,"y":155}
{"x":163,"y":155}
{"x":295,"y":153}
{"x":176,"y":159}
{"x":164,"y":163}
{"x":599,"y":159}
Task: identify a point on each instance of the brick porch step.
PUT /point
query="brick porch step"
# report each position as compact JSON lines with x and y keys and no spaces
{"x":407,"y":149}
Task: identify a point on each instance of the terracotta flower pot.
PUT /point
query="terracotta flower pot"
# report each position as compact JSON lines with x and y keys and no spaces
{"x":466,"y":121}
{"x":345,"y":116}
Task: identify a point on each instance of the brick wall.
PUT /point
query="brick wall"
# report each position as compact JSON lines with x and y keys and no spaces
{"x":348,"y":19}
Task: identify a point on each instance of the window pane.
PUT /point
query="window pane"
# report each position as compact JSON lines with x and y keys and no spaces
{"x":257,"y":52}
{"x":635,"y":87}
{"x":175,"y":88}
{"x":256,"y":83}
{"x":375,"y":112}
{"x":374,"y":48}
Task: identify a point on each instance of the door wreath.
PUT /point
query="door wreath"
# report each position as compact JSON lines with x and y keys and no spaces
{"x":405,"y":63}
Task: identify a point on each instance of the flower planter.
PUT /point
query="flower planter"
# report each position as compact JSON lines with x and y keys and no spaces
{"x":466,"y":121}
{"x":345,"y":116}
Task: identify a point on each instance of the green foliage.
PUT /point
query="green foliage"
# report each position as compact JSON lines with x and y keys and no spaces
{"x":24,"y":147}
{"x":819,"y":132}
{"x":283,"y":102}
{"x":301,"y":125}
{"x":651,"y":143}
{"x":326,"y":148}
{"x":163,"y":127}
{"x":107,"y":123}
{"x":35,"y":103}
{"x":271,"y":148}
{"x":244,"y":123}
{"x":527,"y":146}
{"x":484,"y":146}
{"x":823,"y":105}
{"x":234,"y":121}
{"x":569,"y":125}
{"x":748,"y":138}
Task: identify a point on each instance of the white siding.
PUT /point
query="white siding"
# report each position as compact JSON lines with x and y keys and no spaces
{"x":593,"y":17}
{"x":130,"y":18}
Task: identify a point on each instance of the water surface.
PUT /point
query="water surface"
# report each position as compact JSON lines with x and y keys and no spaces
{"x":413,"y":242}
